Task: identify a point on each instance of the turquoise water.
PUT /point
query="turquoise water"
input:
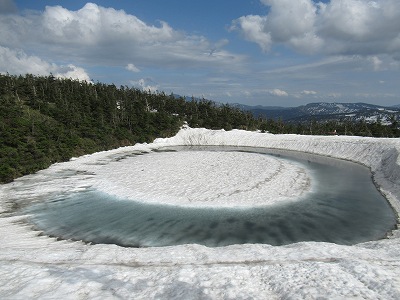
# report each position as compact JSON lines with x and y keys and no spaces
{"x":344,"y":208}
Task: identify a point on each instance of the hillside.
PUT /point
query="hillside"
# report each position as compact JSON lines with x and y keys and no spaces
{"x":44,"y":120}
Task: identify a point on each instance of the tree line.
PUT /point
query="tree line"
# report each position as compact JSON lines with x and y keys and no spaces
{"x":343,"y":126}
{"x":44,"y":119}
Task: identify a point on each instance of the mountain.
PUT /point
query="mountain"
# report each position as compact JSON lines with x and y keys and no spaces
{"x":323,"y":111}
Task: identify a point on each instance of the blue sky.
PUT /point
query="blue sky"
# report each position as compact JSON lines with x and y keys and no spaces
{"x":255,"y":52}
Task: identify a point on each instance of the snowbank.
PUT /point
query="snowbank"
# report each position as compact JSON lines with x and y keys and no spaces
{"x":35,"y":266}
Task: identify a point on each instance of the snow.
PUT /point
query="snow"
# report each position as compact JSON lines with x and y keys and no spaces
{"x":226,"y":179}
{"x":35,"y":266}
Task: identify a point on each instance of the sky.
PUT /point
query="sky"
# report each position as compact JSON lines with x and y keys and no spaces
{"x":253,"y":52}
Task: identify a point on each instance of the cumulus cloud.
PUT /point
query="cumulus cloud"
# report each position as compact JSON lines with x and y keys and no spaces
{"x":252,"y":28}
{"x":94,"y":33}
{"x":337,"y":27}
{"x":18,"y":62}
{"x":70,"y":71}
{"x":278,"y":92}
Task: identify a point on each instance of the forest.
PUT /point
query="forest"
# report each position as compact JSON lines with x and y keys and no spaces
{"x":44,"y":120}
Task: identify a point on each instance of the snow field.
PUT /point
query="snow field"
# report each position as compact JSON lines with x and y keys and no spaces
{"x":204,"y":178}
{"x":38,"y":267}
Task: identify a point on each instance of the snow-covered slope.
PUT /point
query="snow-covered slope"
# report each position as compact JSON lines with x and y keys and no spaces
{"x":35,"y":266}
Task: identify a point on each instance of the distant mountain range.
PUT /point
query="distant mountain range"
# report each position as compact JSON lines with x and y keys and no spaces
{"x":322,"y":111}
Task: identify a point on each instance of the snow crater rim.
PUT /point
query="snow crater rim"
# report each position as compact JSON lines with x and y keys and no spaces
{"x":205,"y":179}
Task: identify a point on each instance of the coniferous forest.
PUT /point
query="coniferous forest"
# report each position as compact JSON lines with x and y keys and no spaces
{"x":44,"y":120}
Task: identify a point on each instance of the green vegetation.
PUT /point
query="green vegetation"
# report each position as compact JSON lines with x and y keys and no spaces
{"x":44,"y":120}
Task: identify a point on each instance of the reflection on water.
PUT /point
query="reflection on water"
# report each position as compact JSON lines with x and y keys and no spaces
{"x":344,"y":208}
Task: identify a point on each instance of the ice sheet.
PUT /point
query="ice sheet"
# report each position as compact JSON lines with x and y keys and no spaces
{"x":34,"y":266}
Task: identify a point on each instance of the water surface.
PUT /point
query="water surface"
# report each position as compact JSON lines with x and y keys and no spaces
{"x":344,"y":207}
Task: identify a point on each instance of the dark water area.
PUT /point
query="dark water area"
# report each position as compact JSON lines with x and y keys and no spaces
{"x":344,"y":207}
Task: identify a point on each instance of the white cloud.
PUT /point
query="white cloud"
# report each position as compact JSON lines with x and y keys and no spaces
{"x":279,"y":93}
{"x":18,"y":62}
{"x":376,"y":62}
{"x":146,"y":84}
{"x":252,"y":28}
{"x":95,"y":25}
{"x":338,"y":27}
{"x":132,"y":68}
{"x":94,"y":33}
{"x":71,"y":71}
